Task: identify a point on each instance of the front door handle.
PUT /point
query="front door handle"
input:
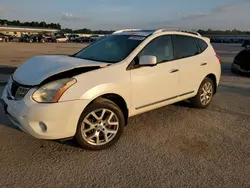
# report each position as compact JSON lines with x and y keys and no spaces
{"x":203,"y":64}
{"x":173,"y":70}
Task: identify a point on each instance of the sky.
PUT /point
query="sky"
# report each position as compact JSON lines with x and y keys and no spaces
{"x":145,"y":14}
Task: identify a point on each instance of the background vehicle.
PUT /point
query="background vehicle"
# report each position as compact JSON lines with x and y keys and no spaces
{"x":94,"y":37}
{"x":2,"y":37}
{"x":61,"y":38}
{"x":24,"y":38}
{"x":73,"y":38}
{"x":122,"y":75}
{"x":34,"y":38}
{"x":37,"y":38}
{"x":48,"y":38}
{"x":246,"y":43}
{"x":241,"y":63}
{"x":15,"y":39}
{"x":84,"y":39}
{"x":5,"y":38}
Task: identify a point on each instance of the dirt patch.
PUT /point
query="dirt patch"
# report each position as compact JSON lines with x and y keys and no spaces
{"x":192,"y":146}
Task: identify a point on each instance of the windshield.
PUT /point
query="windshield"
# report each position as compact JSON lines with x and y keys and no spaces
{"x":111,"y":49}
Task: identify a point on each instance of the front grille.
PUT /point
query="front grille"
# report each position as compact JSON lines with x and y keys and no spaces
{"x":13,"y":88}
{"x":21,"y":92}
{"x":17,"y":90}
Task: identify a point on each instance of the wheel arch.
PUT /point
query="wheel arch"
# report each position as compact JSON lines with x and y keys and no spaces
{"x":118,"y":100}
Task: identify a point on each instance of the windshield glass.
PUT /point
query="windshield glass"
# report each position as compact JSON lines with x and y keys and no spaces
{"x":111,"y":49}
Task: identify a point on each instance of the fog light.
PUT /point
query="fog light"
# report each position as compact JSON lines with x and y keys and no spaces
{"x":43,"y":126}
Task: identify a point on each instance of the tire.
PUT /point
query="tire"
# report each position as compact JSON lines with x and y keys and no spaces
{"x":234,"y":70}
{"x":197,"y":101}
{"x":100,"y":127}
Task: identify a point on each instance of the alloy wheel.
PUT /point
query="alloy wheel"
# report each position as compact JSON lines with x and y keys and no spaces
{"x":206,"y":93}
{"x":99,"y":127}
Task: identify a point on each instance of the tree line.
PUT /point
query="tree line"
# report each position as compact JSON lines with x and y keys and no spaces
{"x":89,"y":31}
{"x":51,"y":26}
{"x":30,"y":24}
{"x":86,"y":31}
{"x":202,"y":32}
{"x":223,"y":32}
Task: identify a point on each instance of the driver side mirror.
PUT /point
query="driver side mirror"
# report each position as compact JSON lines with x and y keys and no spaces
{"x":148,"y":60}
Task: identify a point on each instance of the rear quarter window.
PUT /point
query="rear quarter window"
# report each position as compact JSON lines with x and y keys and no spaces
{"x":202,"y":44}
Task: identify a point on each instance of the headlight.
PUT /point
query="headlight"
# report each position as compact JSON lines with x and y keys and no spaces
{"x":52,"y":91}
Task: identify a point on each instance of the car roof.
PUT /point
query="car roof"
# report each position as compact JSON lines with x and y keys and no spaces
{"x":142,"y":32}
{"x":135,"y":32}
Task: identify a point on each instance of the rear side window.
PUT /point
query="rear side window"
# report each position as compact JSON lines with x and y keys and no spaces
{"x":202,"y":44}
{"x":185,"y":46}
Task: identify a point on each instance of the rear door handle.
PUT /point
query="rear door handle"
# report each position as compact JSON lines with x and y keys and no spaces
{"x":203,"y":64}
{"x":173,"y":70}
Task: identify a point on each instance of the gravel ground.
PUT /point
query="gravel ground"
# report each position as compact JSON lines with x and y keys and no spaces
{"x":175,"y":146}
{"x":14,"y":54}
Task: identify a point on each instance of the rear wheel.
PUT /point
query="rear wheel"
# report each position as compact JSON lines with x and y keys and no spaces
{"x":205,"y":94}
{"x":100,"y":125}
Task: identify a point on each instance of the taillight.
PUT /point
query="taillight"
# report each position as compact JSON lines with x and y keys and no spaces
{"x":218,"y":57}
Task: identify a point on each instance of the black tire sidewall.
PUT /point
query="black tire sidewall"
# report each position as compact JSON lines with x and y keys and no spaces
{"x":107,"y":104}
{"x":234,"y":70}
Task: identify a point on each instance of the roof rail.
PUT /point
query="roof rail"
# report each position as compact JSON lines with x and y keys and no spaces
{"x":177,"y":29}
{"x":166,"y":29}
{"x":191,"y":32}
{"x":125,"y":30}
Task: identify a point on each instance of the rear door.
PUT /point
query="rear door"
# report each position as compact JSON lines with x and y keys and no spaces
{"x":191,"y":63}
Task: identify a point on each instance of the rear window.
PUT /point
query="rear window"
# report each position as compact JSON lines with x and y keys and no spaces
{"x":202,"y":44}
{"x":185,"y":46}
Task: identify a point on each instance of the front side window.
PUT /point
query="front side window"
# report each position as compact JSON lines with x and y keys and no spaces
{"x":111,"y":49}
{"x":185,"y":46}
{"x":160,"y":47}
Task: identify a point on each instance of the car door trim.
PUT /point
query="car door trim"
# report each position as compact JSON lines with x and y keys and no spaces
{"x":164,"y":100}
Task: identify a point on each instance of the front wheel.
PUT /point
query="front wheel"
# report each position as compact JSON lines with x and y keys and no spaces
{"x":205,"y":94}
{"x":100,"y":125}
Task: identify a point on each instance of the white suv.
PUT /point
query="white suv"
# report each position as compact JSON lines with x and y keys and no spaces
{"x":90,"y":95}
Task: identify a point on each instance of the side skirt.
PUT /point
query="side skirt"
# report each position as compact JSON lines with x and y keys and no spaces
{"x":164,"y":100}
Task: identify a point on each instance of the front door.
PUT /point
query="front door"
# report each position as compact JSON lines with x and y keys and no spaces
{"x":152,"y":86}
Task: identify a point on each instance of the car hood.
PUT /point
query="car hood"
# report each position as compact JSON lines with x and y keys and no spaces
{"x":37,"y":69}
